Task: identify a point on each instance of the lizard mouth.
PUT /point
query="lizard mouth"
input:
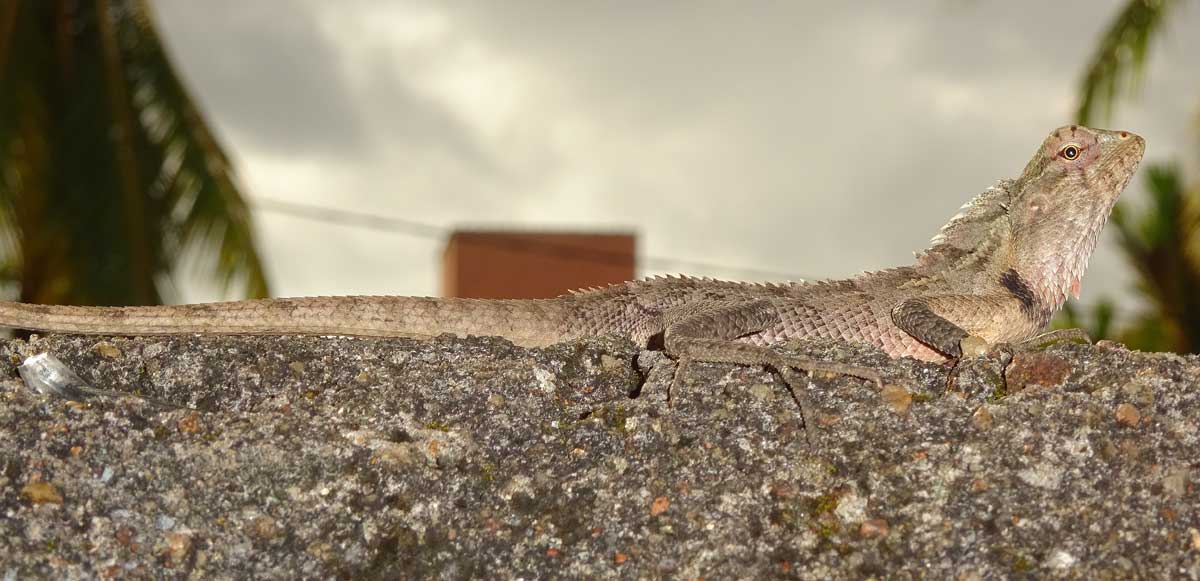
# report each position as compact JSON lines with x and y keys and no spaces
{"x":1124,"y":153}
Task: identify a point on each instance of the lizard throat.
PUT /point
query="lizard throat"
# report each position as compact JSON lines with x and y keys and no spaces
{"x":1053,"y":268}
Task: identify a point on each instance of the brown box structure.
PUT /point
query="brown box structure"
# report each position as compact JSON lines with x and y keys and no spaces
{"x":533,"y":265}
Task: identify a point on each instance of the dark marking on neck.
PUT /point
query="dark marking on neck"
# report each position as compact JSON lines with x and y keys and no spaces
{"x":1019,"y":289}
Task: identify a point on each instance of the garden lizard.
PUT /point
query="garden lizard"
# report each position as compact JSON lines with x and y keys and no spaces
{"x":994,"y":274}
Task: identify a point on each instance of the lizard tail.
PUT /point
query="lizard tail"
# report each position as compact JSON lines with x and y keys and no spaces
{"x":525,"y":322}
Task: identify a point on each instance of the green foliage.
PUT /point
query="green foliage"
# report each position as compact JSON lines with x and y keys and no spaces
{"x":1120,"y":58}
{"x":1162,"y":242}
{"x":108,"y":173}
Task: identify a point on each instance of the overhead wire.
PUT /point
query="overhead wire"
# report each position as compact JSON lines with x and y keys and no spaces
{"x":395,"y":225}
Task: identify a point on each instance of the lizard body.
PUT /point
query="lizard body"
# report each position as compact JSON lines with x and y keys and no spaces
{"x":997,"y":271}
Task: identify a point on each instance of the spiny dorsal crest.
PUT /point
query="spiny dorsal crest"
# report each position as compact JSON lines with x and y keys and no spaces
{"x":970,"y":229}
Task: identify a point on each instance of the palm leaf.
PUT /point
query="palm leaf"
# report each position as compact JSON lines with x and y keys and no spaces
{"x":1120,"y":57}
{"x":1160,"y":245}
{"x":108,"y":173}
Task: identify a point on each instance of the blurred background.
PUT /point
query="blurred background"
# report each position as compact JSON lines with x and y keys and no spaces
{"x":182,"y":151}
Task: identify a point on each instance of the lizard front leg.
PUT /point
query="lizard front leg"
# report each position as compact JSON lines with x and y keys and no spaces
{"x":967,"y":325}
{"x":917,"y":318}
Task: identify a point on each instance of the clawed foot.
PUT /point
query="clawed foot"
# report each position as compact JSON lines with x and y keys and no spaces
{"x":975,"y":346}
{"x":1055,"y":337}
{"x":785,"y":366}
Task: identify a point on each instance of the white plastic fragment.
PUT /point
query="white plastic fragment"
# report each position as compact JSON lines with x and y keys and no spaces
{"x":44,"y":373}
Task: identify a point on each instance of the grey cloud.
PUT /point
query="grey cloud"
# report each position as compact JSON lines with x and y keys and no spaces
{"x":266,"y":67}
{"x":402,"y":117}
{"x":278,"y":81}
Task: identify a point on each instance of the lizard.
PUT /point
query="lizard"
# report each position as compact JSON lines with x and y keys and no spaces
{"x":994,"y":274}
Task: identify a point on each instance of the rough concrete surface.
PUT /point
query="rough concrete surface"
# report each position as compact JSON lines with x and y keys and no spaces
{"x":317,"y":457}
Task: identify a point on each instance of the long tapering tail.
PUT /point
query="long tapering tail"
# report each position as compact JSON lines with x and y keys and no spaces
{"x":525,"y":322}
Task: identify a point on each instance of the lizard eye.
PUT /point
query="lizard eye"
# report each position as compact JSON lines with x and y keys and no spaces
{"x":1069,"y":152}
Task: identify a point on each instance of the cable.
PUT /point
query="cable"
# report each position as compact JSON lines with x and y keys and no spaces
{"x":394,"y":225}
{"x":349,"y":218}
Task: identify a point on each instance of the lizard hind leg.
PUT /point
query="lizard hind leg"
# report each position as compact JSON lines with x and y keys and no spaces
{"x":707,"y":334}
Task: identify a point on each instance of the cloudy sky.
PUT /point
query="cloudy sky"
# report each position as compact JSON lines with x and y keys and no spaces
{"x":795,"y":138}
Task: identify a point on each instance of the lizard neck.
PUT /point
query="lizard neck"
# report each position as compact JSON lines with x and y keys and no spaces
{"x":1052,"y":263}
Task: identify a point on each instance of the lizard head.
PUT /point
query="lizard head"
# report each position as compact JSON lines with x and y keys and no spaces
{"x":1062,"y":201}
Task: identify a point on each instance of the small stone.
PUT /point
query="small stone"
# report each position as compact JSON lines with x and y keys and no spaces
{"x":982,"y":419}
{"x":189,"y":424}
{"x":1061,"y":560}
{"x":1195,"y":534}
{"x":545,"y":379}
{"x":363,"y":377}
{"x":106,"y":350}
{"x":124,"y":536}
{"x":782,"y":489}
{"x":264,"y":527}
{"x":973,"y":346}
{"x":826,"y":420}
{"x":761,"y":391}
{"x":659,"y":505}
{"x":851,"y":508}
{"x":610,"y":363}
{"x":620,"y":558}
{"x":42,"y":492}
{"x":1175,"y":482}
{"x":1138,"y":393}
{"x":297,"y":366}
{"x":1128,"y":414}
{"x":398,"y":455}
{"x":319,"y":550}
{"x":874,"y":528}
{"x":179,"y":548}
{"x":897,"y":397}
{"x":1037,"y":368}
{"x":979,"y":485}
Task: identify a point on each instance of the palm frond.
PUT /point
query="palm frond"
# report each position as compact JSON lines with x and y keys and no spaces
{"x":1120,"y":57}
{"x":108,"y":172}
{"x":196,"y":180}
{"x":1159,"y":243}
